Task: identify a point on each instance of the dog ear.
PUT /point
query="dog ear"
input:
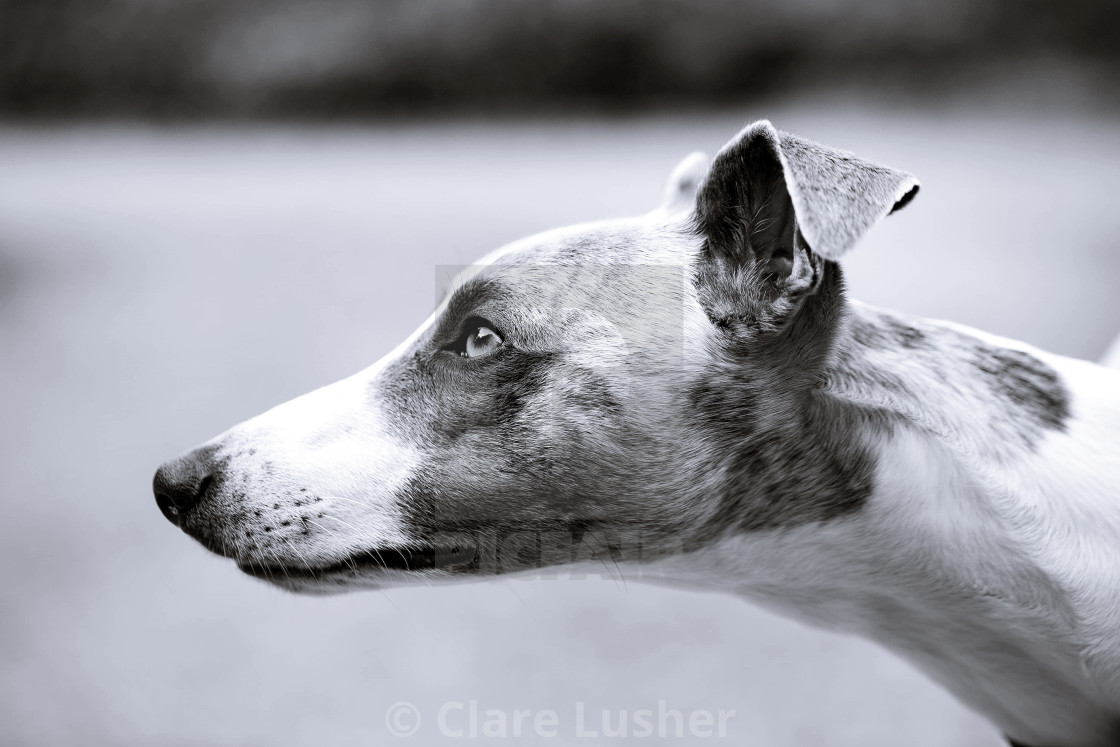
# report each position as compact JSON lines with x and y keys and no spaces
{"x":680,"y":190}
{"x":774,"y":206}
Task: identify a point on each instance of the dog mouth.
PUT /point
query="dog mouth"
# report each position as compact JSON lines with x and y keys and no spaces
{"x":400,"y":559}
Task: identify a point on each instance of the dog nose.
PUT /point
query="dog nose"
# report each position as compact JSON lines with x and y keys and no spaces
{"x":180,"y":484}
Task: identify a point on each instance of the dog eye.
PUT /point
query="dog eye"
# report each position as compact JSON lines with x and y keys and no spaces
{"x":479,"y":338}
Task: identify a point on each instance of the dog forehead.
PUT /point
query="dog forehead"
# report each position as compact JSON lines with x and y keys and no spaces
{"x":592,"y":263}
{"x":631,"y":241}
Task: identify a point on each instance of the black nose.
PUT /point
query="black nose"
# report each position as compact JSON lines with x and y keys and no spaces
{"x":180,"y":484}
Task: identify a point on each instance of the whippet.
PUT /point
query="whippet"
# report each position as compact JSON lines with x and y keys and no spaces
{"x":690,"y":394}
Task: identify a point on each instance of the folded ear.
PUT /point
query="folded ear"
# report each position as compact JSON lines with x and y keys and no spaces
{"x":774,"y":206}
{"x":837,"y":196}
{"x":680,"y":190}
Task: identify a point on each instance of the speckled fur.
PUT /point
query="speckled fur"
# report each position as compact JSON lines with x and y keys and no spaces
{"x":690,"y":396}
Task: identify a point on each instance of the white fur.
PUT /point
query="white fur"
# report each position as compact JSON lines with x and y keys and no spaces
{"x":999,"y":582}
{"x":333,"y":440}
{"x":994,"y":568}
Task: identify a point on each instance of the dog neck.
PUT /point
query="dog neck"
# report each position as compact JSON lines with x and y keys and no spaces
{"x":864,"y":501}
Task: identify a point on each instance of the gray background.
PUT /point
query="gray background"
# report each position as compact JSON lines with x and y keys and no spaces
{"x":161,"y":281}
{"x":161,"y":284}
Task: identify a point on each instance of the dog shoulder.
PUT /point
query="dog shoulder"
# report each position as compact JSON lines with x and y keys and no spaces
{"x":1064,"y":504}
{"x":1091,"y":391}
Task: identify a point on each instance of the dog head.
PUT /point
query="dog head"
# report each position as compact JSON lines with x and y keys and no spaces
{"x":617,"y":391}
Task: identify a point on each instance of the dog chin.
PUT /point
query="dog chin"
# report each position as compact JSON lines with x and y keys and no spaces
{"x":370,"y":569}
{"x":303,"y":580}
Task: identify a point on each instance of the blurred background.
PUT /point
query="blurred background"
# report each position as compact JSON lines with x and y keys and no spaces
{"x":207,"y":208}
{"x":331,"y":58}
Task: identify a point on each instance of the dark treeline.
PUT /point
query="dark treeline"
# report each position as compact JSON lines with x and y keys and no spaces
{"x":370,"y":57}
